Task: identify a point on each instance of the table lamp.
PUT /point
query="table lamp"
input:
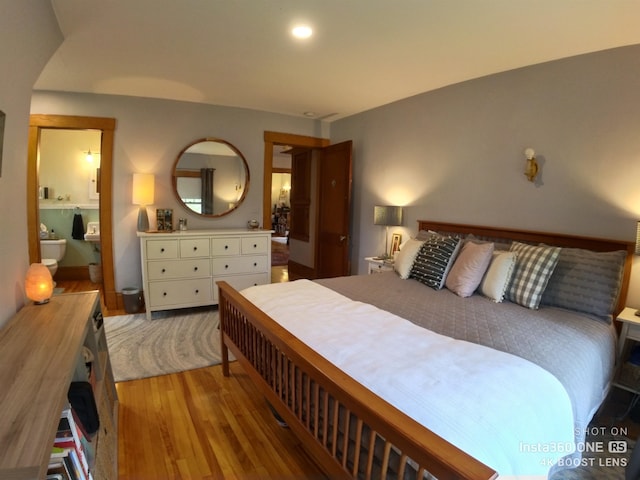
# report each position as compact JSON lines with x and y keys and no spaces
{"x":387,"y":216}
{"x":143,"y":189}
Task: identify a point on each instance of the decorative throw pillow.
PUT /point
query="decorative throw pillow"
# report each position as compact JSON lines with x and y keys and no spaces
{"x":405,"y":257}
{"x":586,"y":281}
{"x":469,"y":268}
{"x":534,"y":266}
{"x":434,"y":260}
{"x":496,"y":280}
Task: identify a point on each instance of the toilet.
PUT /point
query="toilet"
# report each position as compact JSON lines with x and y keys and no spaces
{"x":52,"y":251}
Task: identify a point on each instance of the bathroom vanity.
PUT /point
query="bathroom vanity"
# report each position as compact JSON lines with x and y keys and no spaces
{"x":180,"y":269}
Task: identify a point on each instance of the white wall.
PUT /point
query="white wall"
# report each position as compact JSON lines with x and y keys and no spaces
{"x":29,"y":35}
{"x":456,"y":154}
{"x":148,"y":137}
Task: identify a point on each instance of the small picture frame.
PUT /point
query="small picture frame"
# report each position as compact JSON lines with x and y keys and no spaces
{"x":164,"y":219}
{"x":396,"y":238}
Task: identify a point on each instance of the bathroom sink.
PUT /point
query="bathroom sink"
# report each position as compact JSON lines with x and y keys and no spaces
{"x":93,"y":232}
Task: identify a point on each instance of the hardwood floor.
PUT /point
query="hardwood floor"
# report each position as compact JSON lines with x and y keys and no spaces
{"x":202,"y":425}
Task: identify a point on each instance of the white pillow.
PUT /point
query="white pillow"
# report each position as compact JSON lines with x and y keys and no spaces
{"x":406,"y":256}
{"x":496,"y":280}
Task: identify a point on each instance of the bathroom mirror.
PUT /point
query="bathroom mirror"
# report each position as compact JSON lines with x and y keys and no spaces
{"x":210,"y":177}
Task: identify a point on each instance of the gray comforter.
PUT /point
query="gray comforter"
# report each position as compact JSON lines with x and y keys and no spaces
{"x":577,"y":349}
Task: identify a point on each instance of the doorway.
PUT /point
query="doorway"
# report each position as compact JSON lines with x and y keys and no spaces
{"x":280,"y":209}
{"x":104,"y":180}
{"x":314,"y":251}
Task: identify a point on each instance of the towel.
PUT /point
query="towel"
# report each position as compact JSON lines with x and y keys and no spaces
{"x":77,"y":232}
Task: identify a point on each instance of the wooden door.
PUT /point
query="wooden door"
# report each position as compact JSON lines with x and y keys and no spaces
{"x":334,"y":210}
{"x":300,"y":198}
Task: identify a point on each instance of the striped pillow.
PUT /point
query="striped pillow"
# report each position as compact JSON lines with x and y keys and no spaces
{"x":434,"y":260}
{"x":533,"y":268}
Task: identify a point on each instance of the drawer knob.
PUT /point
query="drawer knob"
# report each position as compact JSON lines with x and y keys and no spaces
{"x":195,"y":269}
{"x":226,"y":247}
{"x":164,"y":294}
{"x":226,"y":266}
{"x":197,"y":292}
{"x":195,"y":248}
{"x":162,"y":250}
{"x":255,"y":245}
{"x":255,"y":264}
{"x":163,"y":270}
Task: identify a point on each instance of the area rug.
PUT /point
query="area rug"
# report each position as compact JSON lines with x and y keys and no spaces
{"x":173,"y":341}
{"x":279,"y":253}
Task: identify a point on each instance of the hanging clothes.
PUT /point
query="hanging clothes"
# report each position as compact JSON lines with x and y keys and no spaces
{"x":77,"y":232}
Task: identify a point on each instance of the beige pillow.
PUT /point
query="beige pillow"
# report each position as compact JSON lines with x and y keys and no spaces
{"x":469,"y":268}
{"x":496,"y":280}
{"x":405,"y":257}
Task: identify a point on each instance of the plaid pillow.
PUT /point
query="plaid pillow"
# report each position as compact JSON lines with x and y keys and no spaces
{"x":434,"y":260}
{"x":533,"y":268}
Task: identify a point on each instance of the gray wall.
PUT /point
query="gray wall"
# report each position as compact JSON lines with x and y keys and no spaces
{"x":456,"y":154}
{"x":148,"y":137}
{"x":29,"y":35}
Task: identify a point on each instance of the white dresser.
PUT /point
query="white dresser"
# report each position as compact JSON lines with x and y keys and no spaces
{"x":179,"y":269}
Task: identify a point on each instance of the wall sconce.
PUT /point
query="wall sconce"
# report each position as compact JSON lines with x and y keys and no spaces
{"x":388,"y":216}
{"x":531,"y":168}
{"x":89,"y":156}
{"x":143,"y":190}
{"x":38,"y":283}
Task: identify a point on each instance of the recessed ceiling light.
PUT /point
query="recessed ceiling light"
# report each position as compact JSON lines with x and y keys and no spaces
{"x":309,"y":114}
{"x":302,"y":31}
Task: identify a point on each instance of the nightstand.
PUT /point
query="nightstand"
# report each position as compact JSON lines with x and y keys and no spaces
{"x":630,"y":331}
{"x":378,"y":266}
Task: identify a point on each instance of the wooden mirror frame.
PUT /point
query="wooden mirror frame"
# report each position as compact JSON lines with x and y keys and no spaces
{"x":174,"y":177}
{"x":107,"y":126}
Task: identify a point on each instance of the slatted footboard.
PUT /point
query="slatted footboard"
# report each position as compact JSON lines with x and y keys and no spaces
{"x":349,"y":431}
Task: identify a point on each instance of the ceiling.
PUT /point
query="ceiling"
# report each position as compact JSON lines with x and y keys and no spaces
{"x":363,"y":53}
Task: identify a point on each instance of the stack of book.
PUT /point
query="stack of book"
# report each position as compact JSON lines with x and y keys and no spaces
{"x":73,"y":453}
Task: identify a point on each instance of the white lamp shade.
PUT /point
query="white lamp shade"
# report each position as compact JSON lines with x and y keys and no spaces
{"x":143,"y":188}
{"x":38,"y":283}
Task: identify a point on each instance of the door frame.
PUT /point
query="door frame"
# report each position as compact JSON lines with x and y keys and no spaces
{"x":37,"y":122}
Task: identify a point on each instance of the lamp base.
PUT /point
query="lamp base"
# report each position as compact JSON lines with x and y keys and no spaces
{"x":143,"y":219}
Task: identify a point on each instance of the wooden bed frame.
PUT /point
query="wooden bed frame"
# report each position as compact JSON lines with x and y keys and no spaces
{"x":361,"y":435}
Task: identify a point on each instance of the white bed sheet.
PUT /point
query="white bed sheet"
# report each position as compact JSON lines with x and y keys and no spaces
{"x":503,"y":410}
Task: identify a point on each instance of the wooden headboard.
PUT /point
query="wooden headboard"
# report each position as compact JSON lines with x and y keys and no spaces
{"x":556,"y":239}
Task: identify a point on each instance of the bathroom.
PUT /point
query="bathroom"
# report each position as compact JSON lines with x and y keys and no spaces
{"x":68,"y":172}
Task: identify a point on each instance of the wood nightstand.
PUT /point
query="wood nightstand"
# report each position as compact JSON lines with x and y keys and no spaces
{"x":630,"y":331}
{"x":378,"y":266}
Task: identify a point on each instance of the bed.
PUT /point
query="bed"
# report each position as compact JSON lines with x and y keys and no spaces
{"x":383,"y":377}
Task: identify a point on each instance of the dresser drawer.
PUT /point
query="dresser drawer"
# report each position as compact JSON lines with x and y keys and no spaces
{"x":165,"y":270}
{"x":194,"y":247}
{"x":240,"y":282}
{"x":225,"y":246}
{"x":245,"y":264}
{"x":157,"y":249}
{"x":181,"y":292}
{"x":253,"y":245}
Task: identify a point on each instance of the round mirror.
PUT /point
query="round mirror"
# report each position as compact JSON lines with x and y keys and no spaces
{"x":210,"y":177}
